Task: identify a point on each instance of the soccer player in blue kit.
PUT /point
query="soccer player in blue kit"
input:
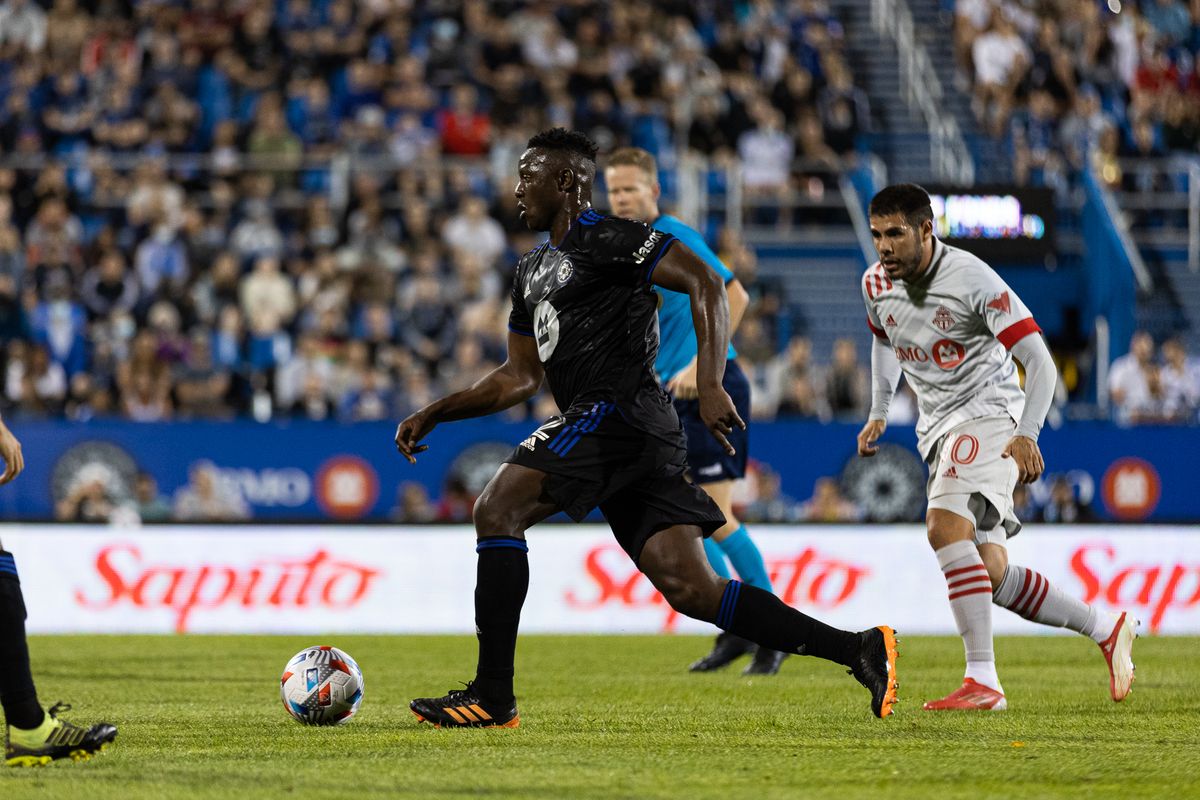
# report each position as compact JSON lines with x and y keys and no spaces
{"x":584,"y":321}
{"x":33,"y":737}
{"x":631,"y":178}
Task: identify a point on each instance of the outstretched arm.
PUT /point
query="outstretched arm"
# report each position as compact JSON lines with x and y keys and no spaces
{"x":681,"y":271}
{"x":514,"y":381}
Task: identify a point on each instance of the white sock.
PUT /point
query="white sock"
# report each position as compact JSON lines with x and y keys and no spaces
{"x":970,"y":591}
{"x":1030,"y":595}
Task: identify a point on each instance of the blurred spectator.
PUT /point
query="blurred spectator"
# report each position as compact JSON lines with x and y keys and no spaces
{"x":109,"y":287}
{"x":766,"y":152}
{"x":200,"y":385}
{"x":464,"y":129}
{"x":413,"y":506}
{"x":267,"y":297}
{"x":14,"y":323}
{"x":1180,"y":382}
{"x":314,"y":402}
{"x":1001,"y":58}
{"x":207,"y":498}
{"x":22,"y":27}
{"x":471,"y":230}
{"x":792,"y":386}
{"x":1024,"y":507}
{"x":828,"y":505}
{"x":1064,"y":507}
{"x":151,"y":506}
{"x":60,"y":325}
{"x":456,"y":502}
{"x":770,"y":504}
{"x":370,"y":400}
{"x":87,"y":501}
{"x":33,"y":383}
{"x":847,"y":388}
{"x":1134,"y":385}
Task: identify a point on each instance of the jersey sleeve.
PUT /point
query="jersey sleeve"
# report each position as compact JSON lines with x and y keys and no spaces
{"x":869,"y":281}
{"x":518,"y":318}
{"x":628,"y":251}
{"x":1009,"y":319}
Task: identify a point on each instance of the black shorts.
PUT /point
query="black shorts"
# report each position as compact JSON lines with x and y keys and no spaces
{"x":707,"y":459}
{"x":594,"y":457}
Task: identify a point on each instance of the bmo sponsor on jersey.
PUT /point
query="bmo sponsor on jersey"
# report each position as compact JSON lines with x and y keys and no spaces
{"x":947,"y":353}
{"x":292,"y":579}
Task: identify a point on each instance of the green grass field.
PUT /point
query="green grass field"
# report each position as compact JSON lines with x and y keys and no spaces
{"x":616,"y":717}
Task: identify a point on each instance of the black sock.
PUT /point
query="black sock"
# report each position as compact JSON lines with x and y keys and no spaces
{"x":500,"y":585}
{"x":17,"y":695}
{"x":766,"y":620}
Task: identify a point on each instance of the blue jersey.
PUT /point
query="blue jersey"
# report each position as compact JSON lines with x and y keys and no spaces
{"x":677,"y":335}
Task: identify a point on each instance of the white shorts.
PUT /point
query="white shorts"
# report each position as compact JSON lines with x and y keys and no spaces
{"x":968,"y":477}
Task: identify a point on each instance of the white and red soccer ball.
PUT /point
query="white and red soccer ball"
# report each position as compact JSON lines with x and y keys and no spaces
{"x":321,"y":686}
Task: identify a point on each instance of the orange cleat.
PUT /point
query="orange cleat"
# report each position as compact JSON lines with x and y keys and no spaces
{"x":971,"y":696}
{"x":1118,"y":652}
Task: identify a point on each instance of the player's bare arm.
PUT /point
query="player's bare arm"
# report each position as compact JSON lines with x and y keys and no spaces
{"x":683,"y":385}
{"x":680,"y":270}
{"x":10,"y":451}
{"x":513,"y":382}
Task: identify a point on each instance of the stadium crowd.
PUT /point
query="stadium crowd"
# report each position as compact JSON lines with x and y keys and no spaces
{"x":303,"y":207}
{"x":1080,"y":83}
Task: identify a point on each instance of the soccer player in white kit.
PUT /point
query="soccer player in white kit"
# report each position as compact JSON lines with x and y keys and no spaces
{"x":952,"y":326}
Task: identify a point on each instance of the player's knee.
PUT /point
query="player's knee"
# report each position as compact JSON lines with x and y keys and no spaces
{"x":995,"y":558}
{"x":494,"y":517}
{"x":688,"y":597}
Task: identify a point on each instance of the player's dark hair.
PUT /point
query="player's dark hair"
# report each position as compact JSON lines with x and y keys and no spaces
{"x":567,"y":141}
{"x":907,"y":199}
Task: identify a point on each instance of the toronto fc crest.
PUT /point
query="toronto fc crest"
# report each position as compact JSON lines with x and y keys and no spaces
{"x":943,"y":320}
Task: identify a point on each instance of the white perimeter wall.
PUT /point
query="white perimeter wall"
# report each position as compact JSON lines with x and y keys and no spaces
{"x":247,"y":579}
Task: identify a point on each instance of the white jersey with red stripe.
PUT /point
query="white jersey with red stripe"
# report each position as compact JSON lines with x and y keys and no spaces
{"x":951,"y":329}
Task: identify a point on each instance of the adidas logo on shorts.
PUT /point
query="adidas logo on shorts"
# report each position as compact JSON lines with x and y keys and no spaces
{"x":951,"y":473}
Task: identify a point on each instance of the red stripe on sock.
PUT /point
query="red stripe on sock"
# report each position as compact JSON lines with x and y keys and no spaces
{"x":961,"y":570}
{"x":1021,"y":594}
{"x":1041,"y":599}
{"x":1035,"y":588}
{"x":966,"y":592}
{"x":972,"y":579}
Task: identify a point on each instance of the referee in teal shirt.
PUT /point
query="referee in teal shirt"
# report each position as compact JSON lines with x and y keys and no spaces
{"x":631,"y":177}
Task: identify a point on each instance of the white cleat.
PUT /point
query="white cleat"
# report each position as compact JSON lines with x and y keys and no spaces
{"x":1118,"y":652}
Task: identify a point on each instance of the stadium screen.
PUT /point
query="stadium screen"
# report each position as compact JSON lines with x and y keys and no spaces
{"x":996,"y":223}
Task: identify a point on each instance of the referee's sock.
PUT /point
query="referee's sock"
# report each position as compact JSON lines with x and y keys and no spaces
{"x":716,"y":557}
{"x":764,"y":619}
{"x":746,"y":558}
{"x":17,"y":693}
{"x":502,"y":579}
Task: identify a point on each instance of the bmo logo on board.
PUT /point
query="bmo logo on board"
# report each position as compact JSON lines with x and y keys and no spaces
{"x":347,"y":487}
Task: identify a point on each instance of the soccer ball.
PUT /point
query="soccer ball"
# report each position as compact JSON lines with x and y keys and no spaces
{"x":321,"y":686}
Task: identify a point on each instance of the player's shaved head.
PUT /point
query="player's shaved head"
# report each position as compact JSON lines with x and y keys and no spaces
{"x":569,"y":149}
{"x":906,"y":199}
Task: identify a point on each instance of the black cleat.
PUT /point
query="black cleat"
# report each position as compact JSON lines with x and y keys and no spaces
{"x":766,"y":662}
{"x":874,"y":666}
{"x":727,"y":648}
{"x":65,"y":740}
{"x":464,"y":708}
